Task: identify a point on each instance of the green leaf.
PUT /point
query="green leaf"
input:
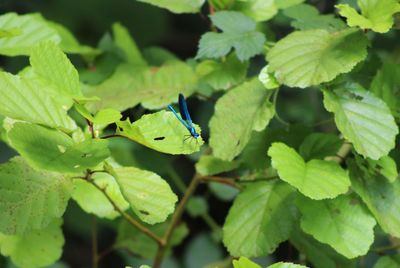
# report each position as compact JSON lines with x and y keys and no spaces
{"x":49,"y":149}
{"x":376,"y":15}
{"x":93,"y":201}
{"x":317,"y":179}
{"x":107,"y":116}
{"x":70,"y":44}
{"x":240,"y":111}
{"x":123,"y":40}
{"x":52,"y":65}
{"x":102,"y":117}
{"x":244,"y":262}
{"x":259,"y":10}
{"x":35,"y":249}
{"x":319,"y":146}
{"x":286,"y":265}
{"x":157,"y":56}
{"x":341,"y":223}
{"x":308,"y":58}
{"x":268,"y":79}
{"x":30,"y":199}
{"x":177,"y":6}
{"x":381,"y":197}
{"x":388,"y":261}
{"x":320,"y":255}
{"x":210,"y":165}
{"x":260,"y":219}
{"x":197,"y":206}
{"x":223,"y":192}
{"x":149,"y":195}
{"x":385,"y":166}
{"x":307,"y":17}
{"x":233,"y":22}
{"x":162,"y":132}
{"x":283,"y":4}
{"x":32,"y":29}
{"x":222,"y":75}
{"x":153,"y":87}
{"x":238,"y":32}
{"x":385,"y":85}
{"x":202,"y":251}
{"x":23,"y":99}
{"x":363,"y":119}
{"x":137,"y":242}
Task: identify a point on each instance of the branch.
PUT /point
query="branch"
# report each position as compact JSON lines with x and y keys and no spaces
{"x":91,"y":128}
{"x":175,"y":221}
{"x":112,"y":136}
{"x":127,"y":217}
{"x":227,"y":181}
{"x":341,"y":155}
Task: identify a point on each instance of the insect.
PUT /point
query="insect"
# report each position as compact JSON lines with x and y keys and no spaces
{"x":185,"y":116}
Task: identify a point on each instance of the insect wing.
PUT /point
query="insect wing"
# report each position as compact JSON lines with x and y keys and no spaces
{"x":184,"y":110}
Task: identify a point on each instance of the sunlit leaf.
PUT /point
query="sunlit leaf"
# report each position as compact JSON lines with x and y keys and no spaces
{"x":237,"y":113}
{"x":341,"y":223}
{"x":34,"y":249}
{"x":210,"y":165}
{"x":91,"y":200}
{"x":317,"y":179}
{"x":259,"y":10}
{"x":307,"y":58}
{"x":53,"y":150}
{"x":307,"y":17}
{"x":177,"y":6}
{"x":32,"y":29}
{"x":149,"y":195}
{"x":30,"y":199}
{"x":52,"y":65}
{"x":363,"y":119}
{"x":375,"y":14}
{"x":222,"y":75}
{"x":260,"y":219}
{"x":162,"y":132}
{"x":153,"y":87}
{"x":238,"y":32}
{"x":23,"y":99}
{"x":244,"y":262}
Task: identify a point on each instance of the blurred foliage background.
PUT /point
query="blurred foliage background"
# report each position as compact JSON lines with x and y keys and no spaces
{"x":89,"y":20}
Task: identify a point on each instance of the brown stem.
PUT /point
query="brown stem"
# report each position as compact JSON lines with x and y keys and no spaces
{"x":227,"y":181}
{"x":112,"y":136}
{"x":175,"y":221}
{"x":105,"y":252}
{"x":128,"y":218}
{"x":91,"y":128}
{"x":385,"y":248}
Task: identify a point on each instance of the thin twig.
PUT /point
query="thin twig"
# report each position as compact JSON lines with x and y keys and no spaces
{"x":91,"y":128}
{"x":385,"y":248}
{"x":277,"y":116}
{"x":112,"y":136}
{"x":223,"y":180}
{"x":127,"y":217}
{"x":175,"y":221}
{"x":105,"y":252}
